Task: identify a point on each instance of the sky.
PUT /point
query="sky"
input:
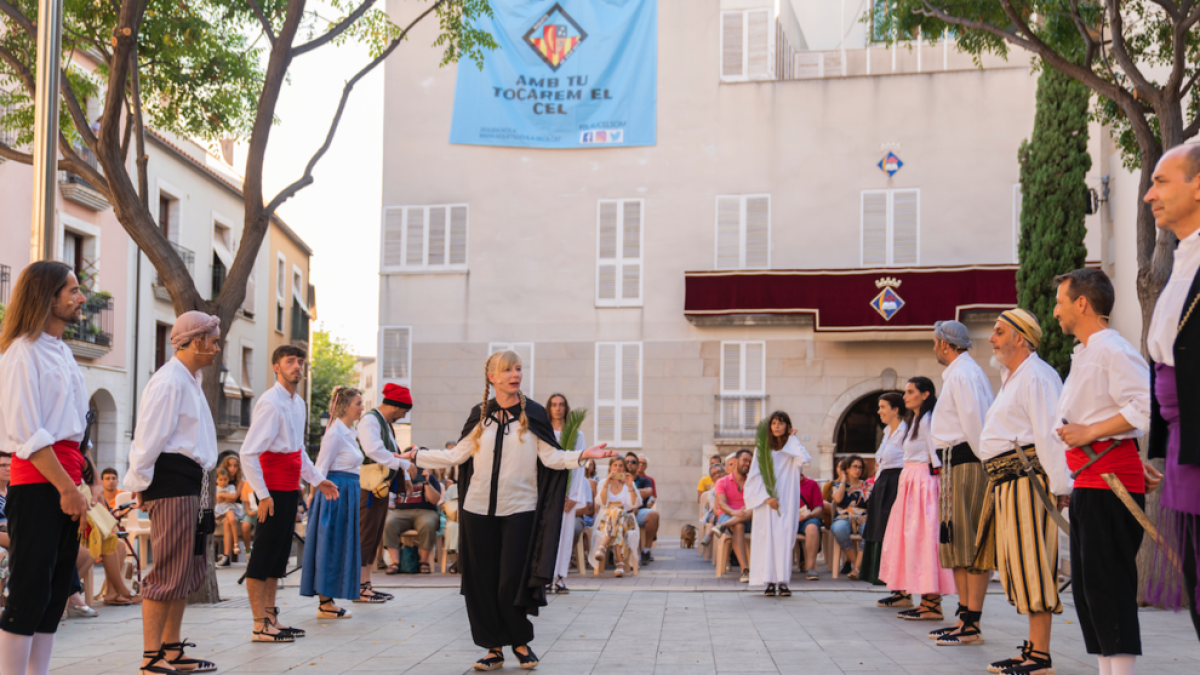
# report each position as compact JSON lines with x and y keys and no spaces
{"x":338,"y":215}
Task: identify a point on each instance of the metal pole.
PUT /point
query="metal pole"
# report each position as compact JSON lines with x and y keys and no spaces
{"x":45,"y":129}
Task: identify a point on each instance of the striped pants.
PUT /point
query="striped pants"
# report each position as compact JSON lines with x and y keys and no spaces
{"x":177,"y":570}
{"x":1026,"y":547}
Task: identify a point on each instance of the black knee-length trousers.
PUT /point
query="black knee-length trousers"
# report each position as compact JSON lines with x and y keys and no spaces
{"x":1104,"y":543}
{"x":491,"y":562}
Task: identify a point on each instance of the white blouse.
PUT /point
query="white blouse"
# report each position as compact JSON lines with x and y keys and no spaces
{"x":623,"y":497}
{"x":173,"y":418}
{"x":890,"y":454}
{"x":921,"y":449}
{"x":517,"y":474}
{"x":339,"y":450}
{"x":276,"y":426}
{"x":43,"y":398}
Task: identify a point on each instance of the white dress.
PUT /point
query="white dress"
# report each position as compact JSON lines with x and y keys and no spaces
{"x":580,"y":492}
{"x":773,"y":535}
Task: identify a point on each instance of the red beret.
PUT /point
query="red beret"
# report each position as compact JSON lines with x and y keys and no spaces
{"x":394,"y":394}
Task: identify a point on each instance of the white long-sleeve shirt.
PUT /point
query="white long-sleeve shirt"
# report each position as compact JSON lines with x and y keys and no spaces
{"x":372,"y":443}
{"x":961,"y":409}
{"x":43,"y":398}
{"x":1108,"y":376}
{"x":1024,"y":411}
{"x":921,"y":449}
{"x":173,"y":418}
{"x":517,"y":484}
{"x":339,"y":450}
{"x":277,"y":426}
{"x":1168,"y":310}
{"x":580,"y":489}
{"x":890,"y":454}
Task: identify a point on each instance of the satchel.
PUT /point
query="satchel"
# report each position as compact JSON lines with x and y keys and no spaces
{"x":410,"y":560}
{"x":374,"y":477}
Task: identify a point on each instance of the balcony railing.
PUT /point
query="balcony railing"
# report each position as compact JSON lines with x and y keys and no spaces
{"x":189,"y":260}
{"x":92,"y":336}
{"x":77,"y":189}
{"x":218,"y":278}
{"x":8,"y":137}
{"x":299,"y":323}
{"x":233,"y":412}
{"x":739,"y":414}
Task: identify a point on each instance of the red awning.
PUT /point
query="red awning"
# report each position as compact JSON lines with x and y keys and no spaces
{"x":888,"y":299}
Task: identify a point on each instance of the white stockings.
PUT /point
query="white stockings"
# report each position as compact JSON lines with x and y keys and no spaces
{"x":1119,"y":664}
{"x":14,"y":653}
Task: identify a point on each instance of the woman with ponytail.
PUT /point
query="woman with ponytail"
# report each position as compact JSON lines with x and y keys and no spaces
{"x":512,"y":491}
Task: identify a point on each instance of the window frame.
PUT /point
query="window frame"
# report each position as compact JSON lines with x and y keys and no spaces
{"x":746,"y":76}
{"x":620,"y":261}
{"x":619,"y":403}
{"x":382,"y":378}
{"x":742,"y":225}
{"x":403,"y":267}
{"x":890,"y":230}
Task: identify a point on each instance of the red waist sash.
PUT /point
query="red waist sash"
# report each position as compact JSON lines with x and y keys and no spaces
{"x":1122,"y":460}
{"x":281,"y":470}
{"x":25,"y":473}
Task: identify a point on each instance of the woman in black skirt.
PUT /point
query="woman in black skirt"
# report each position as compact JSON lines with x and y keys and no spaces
{"x":889,"y":460}
{"x":512,"y":487}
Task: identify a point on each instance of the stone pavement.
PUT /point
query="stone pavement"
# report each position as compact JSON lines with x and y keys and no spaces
{"x":632,"y":626}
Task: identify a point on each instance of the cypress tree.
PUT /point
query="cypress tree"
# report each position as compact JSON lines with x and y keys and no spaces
{"x":1054,"y":162}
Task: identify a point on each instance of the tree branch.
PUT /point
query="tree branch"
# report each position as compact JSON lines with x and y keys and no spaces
{"x":1169,"y":7}
{"x":266,"y":25}
{"x":335,"y":30}
{"x":21,"y":20}
{"x":1121,"y":52}
{"x":1089,"y":44}
{"x":1192,"y":129}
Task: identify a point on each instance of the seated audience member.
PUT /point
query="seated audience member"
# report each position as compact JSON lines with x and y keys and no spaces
{"x":708,"y":481}
{"x":647,"y":517}
{"x":229,"y":513}
{"x":849,"y":496}
{"x":734,"y":517}
{"x":415,"y":509}
{"x":812,"y":513}
{"x":616,"y":504}
{"x":108,"y":480}
{"x":715,"y":473}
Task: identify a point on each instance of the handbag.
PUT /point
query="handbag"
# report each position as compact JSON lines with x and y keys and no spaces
{"x":410,"y":560}
{"x":374,"y":477}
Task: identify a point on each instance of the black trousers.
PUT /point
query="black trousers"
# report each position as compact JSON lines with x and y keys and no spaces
{"x":1104,"y":580}
{"x":45,"y":543}
{"x":495,"y":554}
{"x":273,"y":538}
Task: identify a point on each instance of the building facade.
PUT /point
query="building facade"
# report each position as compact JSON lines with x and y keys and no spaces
{"x":760,"y":257}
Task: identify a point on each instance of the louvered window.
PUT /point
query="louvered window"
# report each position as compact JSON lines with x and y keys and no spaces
{"x":747,"y":45}
{"x":424,"y":238}
{"x":395,"y":354}
{"x":891,"y":227}
{"x":743,"y":388}
{"x":743,"y":232}
{"x":619,"y":394}
{"x":523,"y":350}
{"x":619,"y":253}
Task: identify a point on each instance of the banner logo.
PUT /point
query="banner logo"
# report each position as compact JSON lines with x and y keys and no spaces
{"x":555,"y":37}
{"x":888,"y":302}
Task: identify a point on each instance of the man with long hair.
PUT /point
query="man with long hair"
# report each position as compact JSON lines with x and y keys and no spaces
{"x":43,"y":403}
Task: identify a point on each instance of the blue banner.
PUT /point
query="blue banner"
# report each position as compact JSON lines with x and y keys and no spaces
{"x":568,"y":74}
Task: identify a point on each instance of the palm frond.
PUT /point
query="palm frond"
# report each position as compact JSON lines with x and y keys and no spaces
{"x":571,"y":427}
{"x":762,"y":451}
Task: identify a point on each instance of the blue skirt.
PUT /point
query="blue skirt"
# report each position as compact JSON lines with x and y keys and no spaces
{"x":332,"y":559}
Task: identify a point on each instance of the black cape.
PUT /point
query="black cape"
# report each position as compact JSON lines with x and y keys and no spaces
{"x":547,"y":520}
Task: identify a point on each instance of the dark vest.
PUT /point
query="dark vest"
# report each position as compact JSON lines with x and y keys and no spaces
{"x":1187,"y":378}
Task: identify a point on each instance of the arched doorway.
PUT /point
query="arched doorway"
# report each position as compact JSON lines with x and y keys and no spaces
{"x":859,"y":432}
{"x":104,"y":434}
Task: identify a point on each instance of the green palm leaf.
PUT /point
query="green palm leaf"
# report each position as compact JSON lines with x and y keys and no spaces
{"x":570,"y":431}
{"x":762,"y":451}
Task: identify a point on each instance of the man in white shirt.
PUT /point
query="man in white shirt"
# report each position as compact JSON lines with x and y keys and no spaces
{"x":43,"y":401}
{"x":957,"y":425}
{"x":378,"y":444}
{"x":1173,"y":343}
{"x":1105,"y":405}
{"x":174,"y":447}
{"x":1019,"y":537}
{"x":274,"y":461}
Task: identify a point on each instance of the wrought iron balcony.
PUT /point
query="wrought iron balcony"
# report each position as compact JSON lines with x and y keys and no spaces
{"x":189,"y":260}
{"x":299,"y":324}
{"x":232,"y":413}
{"x":77,"y":189}
{"x":92,"y":336}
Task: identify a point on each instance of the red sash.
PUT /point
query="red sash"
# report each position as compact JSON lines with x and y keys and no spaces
{"x":1122,"y":460}
{"x":281,"y":470}
{"x":25,"y":473}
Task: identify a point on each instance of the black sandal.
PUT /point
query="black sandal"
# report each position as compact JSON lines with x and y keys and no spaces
{"x":264,"y":636}
{"x":493,"y":661}
{"x":200,"y":665}
{"x":364,"y":589}
{"x":770,"y":592}
{"x":970,"y":629}
{"x":784,"y":591}
{"x":933,"y":635}
{"x":273,"y":612}
{"x":1043,"y":666}
{"x":928,"y":610}
{"x":339,"y":613}
{"x":424,"y":568}
{"x":385,"y":596}
{"x":155,"y":657}
{"x":1000,"y":666}
{"x":394,"y":568}
{"x":528,"y":660}
{"x":896,"y":599}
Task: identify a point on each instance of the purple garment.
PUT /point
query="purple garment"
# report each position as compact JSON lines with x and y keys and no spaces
{"x":1181,"y":482}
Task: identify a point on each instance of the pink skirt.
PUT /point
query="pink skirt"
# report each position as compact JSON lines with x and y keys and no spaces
{"x":910,"y":545}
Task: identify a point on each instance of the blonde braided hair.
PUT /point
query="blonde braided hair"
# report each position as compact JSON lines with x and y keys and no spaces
{"x":503,"y":361}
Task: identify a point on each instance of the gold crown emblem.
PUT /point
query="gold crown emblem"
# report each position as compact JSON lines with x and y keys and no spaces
{"x":887,"y":281}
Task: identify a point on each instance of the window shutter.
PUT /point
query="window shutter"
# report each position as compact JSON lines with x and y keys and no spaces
{"x":874,"y":228}
{"x":758,"y":232}
{"x":905,"y":219}
{"x":606,"y":392}
{"x":279,"y":279}
{"x":754,"y":368}
{"x":729,"y":233}
{"x":414,"y":240}
{"x":393,"y":237}
{"x":606,"y":253}
{"x":733,"y":52}
{"x":631,"y":393}
{"x":251,"y":289}
{"x":731,"y":367}
{"x":458,"y":235}
{"x":758,"y":60}
{"x":631,"y":251}
{"x":395,"y":344}
{"x":437,"y":235}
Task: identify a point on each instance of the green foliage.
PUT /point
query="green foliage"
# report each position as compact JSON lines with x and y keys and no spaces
{"x":762,"y":452}
{"x":1054,"y":163}
{"x":331,"y":364}
{"x":571,"y":427}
